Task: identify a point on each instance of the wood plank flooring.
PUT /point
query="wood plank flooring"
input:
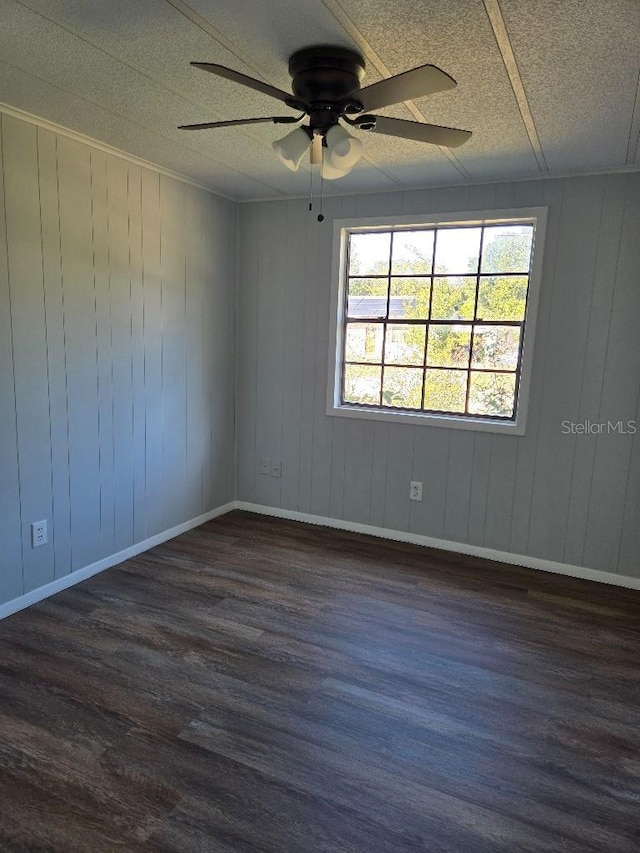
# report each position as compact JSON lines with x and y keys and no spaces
{"x":260,"y":685}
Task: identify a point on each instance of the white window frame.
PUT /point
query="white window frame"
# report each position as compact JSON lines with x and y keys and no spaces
{"x":342,"y":228}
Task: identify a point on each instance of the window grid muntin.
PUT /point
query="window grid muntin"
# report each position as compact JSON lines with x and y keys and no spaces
{"x":428,"y":322}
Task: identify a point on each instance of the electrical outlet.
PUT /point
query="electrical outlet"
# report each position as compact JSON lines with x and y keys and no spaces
{"x":415,"y":491}
{"x":39,"y":533}
{"x":276,"y":469}
{"x":265,"y":465}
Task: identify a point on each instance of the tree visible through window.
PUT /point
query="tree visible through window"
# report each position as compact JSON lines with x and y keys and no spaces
{"x":434,"y":318}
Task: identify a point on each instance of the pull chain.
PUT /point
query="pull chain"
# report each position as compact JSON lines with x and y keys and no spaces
{"x":313,"y":156}
{"x":321,"y":214}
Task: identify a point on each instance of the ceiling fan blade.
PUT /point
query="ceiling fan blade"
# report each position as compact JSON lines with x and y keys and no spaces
{"x":209,"y":124}
{"x":237,"y":77}
{"x":425,"y":80}
{"x":450,"y":137}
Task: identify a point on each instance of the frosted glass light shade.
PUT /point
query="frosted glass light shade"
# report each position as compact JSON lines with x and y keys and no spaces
{"x":343,"y":150}
{"x":292,"y":148}
{"x":330,"y":173}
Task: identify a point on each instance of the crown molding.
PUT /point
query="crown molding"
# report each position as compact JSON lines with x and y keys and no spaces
{"x":52,"y":126}
{"x":514,"y":179}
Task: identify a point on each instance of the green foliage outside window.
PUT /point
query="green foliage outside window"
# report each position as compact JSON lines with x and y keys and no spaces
{"x":444,"y":333}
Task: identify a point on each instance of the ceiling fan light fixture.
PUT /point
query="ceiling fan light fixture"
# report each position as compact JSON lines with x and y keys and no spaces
{"x":326,"y":87}
{"x":343,"y":150}
{"x":317,"y":149}
{"x":292,"y":148}
{"x":330,"y":172}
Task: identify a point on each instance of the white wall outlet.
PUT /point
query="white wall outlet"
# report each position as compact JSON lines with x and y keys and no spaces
{"x":276,"y":469}
{"x":415,"y":491}
{"x":39,"y":533}
{"x":265,"y":465}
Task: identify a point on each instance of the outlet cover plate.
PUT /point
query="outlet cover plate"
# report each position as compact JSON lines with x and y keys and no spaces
{"x":39,"y":533}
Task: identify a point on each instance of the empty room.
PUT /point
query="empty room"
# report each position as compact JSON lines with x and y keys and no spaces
{"x":319,"y":400}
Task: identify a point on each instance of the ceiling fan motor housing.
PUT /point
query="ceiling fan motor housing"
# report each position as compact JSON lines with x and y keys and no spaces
{"x":325,"y":78}
{"x":326,"y":87}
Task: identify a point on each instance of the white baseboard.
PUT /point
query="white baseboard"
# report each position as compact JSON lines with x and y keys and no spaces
{"x":323,"y":521}
{"x":88,"y":571}
{"x":446,"y":545}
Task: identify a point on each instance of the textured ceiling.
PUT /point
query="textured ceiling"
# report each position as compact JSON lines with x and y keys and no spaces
{"x":547,"y":87}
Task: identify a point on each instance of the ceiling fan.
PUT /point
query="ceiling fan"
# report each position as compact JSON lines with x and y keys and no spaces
{"x":326,"y":88}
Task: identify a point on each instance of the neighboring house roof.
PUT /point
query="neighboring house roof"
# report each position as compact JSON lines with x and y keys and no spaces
{"x":363,"y":307}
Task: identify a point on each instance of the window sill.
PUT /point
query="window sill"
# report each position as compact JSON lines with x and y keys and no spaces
{"x":516,"y":427}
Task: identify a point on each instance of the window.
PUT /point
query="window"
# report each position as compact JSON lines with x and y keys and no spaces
{"x":433,"y":318}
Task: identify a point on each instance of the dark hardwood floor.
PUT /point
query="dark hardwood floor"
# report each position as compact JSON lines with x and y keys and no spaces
{"x":261,"y":685}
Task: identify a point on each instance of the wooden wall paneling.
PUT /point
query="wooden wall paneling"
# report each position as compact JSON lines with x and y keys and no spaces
{"x":628,"y":562}
{"x":620,"y":394}
{"x":122,"y":349}
{"x":402,"y":467}
{"x":227,"y":294}
{"x":270,"y":335}
{"x":500,"y":488}
{"x":60,"y":534}
{"x":294,"y":290}
{"x":195,"y":283}
{"x":11,"y":583}
{"x":358,"y":471}
{"x":104,"y":349}
{"x":248,"y":463}
{"x":415,"y":201}
{"x":581,"y":212}
{"x":479,"y":477}
{"x":336,"y":464}
{"x":315,"y":242}
{"x":531,"y":194}
{"x":601,"y":301}
{"x":172,"y":253}
{"x":345,"y":208}
{"x":308,"y":282}
{"x":74,"y":169}
{"x":323,"y":424}
{"x":137,"y":341}
{"x":95,"y":439}
{"x":153,"y":360}
{"x":207,"y":321}
{"x":29,"y":406}
{"x":430,"y":467}
{"x":221,"y":356}
{"x":520,"y":494}
{"x":359,"y":435}
{"x":501,"y":195}
{"x":458,"y":486}
{"x":379,"y":465}
{"x":221,"y":360}
{"x":28,"y":321}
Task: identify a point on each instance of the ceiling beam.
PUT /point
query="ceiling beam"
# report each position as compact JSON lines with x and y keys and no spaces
{"x":496,"y":19}
{"x":334,"y":7}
